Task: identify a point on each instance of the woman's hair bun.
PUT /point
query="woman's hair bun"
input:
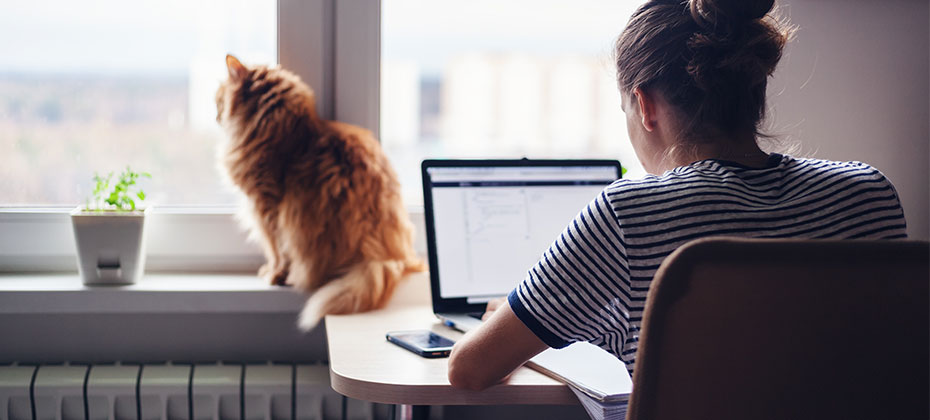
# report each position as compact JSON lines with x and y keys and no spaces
{"x":734,"y":42}
{"x":710,"y":58}
{"x":714,"y":13}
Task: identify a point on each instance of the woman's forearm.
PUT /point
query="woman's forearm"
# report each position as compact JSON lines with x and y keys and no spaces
{"x":488,"y":354}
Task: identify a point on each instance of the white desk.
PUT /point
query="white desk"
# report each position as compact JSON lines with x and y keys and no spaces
{"x":365,"y":366}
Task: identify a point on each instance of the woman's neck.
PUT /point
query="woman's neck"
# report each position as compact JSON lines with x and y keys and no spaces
{"x":743,"y":151}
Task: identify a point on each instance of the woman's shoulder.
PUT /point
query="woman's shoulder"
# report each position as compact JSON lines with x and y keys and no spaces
{"x":658,"y":189}
{"x":702,"y":171}
{"x":713,"y":176}
{"x":720,"y":170}
{"x":834,"y":169}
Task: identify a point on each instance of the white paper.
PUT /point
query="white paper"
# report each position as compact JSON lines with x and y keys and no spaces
{"x":598,"y":410}
{"x":589,"y":368}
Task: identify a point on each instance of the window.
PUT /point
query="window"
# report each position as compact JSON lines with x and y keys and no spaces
{"x":508,"y":79}
{"x":138,"y":77}
{"x":95,"y":85}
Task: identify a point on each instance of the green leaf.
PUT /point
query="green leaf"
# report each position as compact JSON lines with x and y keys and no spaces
{"x":118,"y":193}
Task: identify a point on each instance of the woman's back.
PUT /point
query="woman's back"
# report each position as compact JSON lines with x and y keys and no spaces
{"x":591,"y":285}
{"x":791,"y":197}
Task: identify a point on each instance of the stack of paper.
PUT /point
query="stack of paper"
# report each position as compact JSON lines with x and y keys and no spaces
{"x":598,"y":378}
{"x":601,"y":410}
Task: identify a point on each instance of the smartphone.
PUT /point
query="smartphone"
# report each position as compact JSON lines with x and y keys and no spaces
{"x":423,"y":342}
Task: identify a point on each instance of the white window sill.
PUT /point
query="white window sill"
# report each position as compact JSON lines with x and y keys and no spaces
{"x":153,"y":294}
{"x":179,"y":240}
{"x":38,"y":273}
{"x":25,"y":294}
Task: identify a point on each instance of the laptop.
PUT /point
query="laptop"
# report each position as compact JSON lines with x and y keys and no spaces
{"x":489,"y":221}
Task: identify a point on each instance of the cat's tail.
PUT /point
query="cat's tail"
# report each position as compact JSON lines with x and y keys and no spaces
{"x":368,"y":285}
{"x":414,"y":265}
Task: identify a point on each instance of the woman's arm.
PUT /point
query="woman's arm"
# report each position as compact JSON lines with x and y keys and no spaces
{"x":487,"y":355}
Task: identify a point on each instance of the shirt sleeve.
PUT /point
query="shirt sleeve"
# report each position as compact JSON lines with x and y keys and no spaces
{"x":896,"y":227}
{"x":579,"y":290}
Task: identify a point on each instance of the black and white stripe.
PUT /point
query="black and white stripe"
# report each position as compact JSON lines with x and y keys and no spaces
{"x":591,"y":284}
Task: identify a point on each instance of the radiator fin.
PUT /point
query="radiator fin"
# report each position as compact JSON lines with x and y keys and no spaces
{"x":203,"y":391}
{"x":15,"y":402}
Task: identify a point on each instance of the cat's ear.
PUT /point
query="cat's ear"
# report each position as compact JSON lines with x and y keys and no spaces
{"x":237,"y":71}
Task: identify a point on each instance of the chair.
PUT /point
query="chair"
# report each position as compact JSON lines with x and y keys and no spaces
{"x":786,"y":329}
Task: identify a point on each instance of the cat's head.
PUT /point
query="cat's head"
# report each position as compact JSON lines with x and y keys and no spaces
{"x":259,"y":95}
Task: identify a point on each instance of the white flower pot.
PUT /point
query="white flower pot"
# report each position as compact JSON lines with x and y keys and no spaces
{"x":110,"y":246}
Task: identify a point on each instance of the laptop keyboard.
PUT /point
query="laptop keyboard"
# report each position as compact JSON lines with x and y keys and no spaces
{"x":476,"y":315}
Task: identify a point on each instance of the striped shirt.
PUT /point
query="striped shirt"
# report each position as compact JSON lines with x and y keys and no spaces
{"x":591,"y":284}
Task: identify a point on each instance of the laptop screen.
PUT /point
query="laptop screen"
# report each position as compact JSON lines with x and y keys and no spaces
{"x":488,"y":224}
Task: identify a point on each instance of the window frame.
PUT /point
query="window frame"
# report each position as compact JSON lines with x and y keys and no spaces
{"x":334,"y":46}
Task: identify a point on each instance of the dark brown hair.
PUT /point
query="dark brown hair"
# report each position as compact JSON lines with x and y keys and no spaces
{"x":708,"y":58}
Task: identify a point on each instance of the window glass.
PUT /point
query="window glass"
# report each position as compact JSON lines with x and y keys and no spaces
{"x":504,"y":79}
{"x":95,"y":85}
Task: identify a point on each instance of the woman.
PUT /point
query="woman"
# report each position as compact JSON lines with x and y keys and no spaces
{"x":692,"y":77}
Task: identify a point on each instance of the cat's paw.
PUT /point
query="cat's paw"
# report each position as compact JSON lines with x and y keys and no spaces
{"x":276,"y":277}
{"x":280,"y":278}
{"x":264,"y":271}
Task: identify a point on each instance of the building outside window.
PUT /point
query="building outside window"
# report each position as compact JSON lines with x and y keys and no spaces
{"x":492,"y":79}
{"x":99,"y":84}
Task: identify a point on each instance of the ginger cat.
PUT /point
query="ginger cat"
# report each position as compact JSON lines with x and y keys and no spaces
{"x":322,"y":198}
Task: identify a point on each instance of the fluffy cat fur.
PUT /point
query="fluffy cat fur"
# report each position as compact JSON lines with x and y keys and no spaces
{"x":321,"y":197}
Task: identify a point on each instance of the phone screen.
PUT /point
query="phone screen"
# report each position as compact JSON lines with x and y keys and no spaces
{"x":422,"y":342}
{"x":424,"y":339}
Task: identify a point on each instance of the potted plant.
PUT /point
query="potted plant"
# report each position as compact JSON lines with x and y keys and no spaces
{"x":110,"y":231}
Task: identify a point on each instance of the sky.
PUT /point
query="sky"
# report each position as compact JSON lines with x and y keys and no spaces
{"x":117,"y":37}
{"x":160,"y":37}
{"x":430,"y":31}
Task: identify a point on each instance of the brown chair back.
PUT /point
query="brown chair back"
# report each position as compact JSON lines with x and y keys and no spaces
{"x":786,"y":329}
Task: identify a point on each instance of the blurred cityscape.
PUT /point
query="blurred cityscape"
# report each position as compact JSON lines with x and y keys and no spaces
{"x":532,"y":79}
{"x":55,"y":131}
{"x":100,"y":84}
{"x":501,"y":105}
{"x":500,"y":79}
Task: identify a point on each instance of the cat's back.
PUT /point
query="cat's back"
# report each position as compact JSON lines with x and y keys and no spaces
{"x":347,"y":130}
{"x":357,"y":147}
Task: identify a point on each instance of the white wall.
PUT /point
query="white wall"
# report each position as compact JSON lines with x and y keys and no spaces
{"x":854,"y":85}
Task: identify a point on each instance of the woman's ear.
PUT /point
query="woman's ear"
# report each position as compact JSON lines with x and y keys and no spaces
{"x":647,"y":108}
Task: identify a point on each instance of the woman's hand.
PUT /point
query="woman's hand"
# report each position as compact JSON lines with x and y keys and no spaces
{"x":493,"y":304}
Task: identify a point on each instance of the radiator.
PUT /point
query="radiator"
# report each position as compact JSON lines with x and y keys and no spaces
{"x":200,"y":391}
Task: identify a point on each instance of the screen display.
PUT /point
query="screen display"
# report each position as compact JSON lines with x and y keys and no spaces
{"x":492,"y":224}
